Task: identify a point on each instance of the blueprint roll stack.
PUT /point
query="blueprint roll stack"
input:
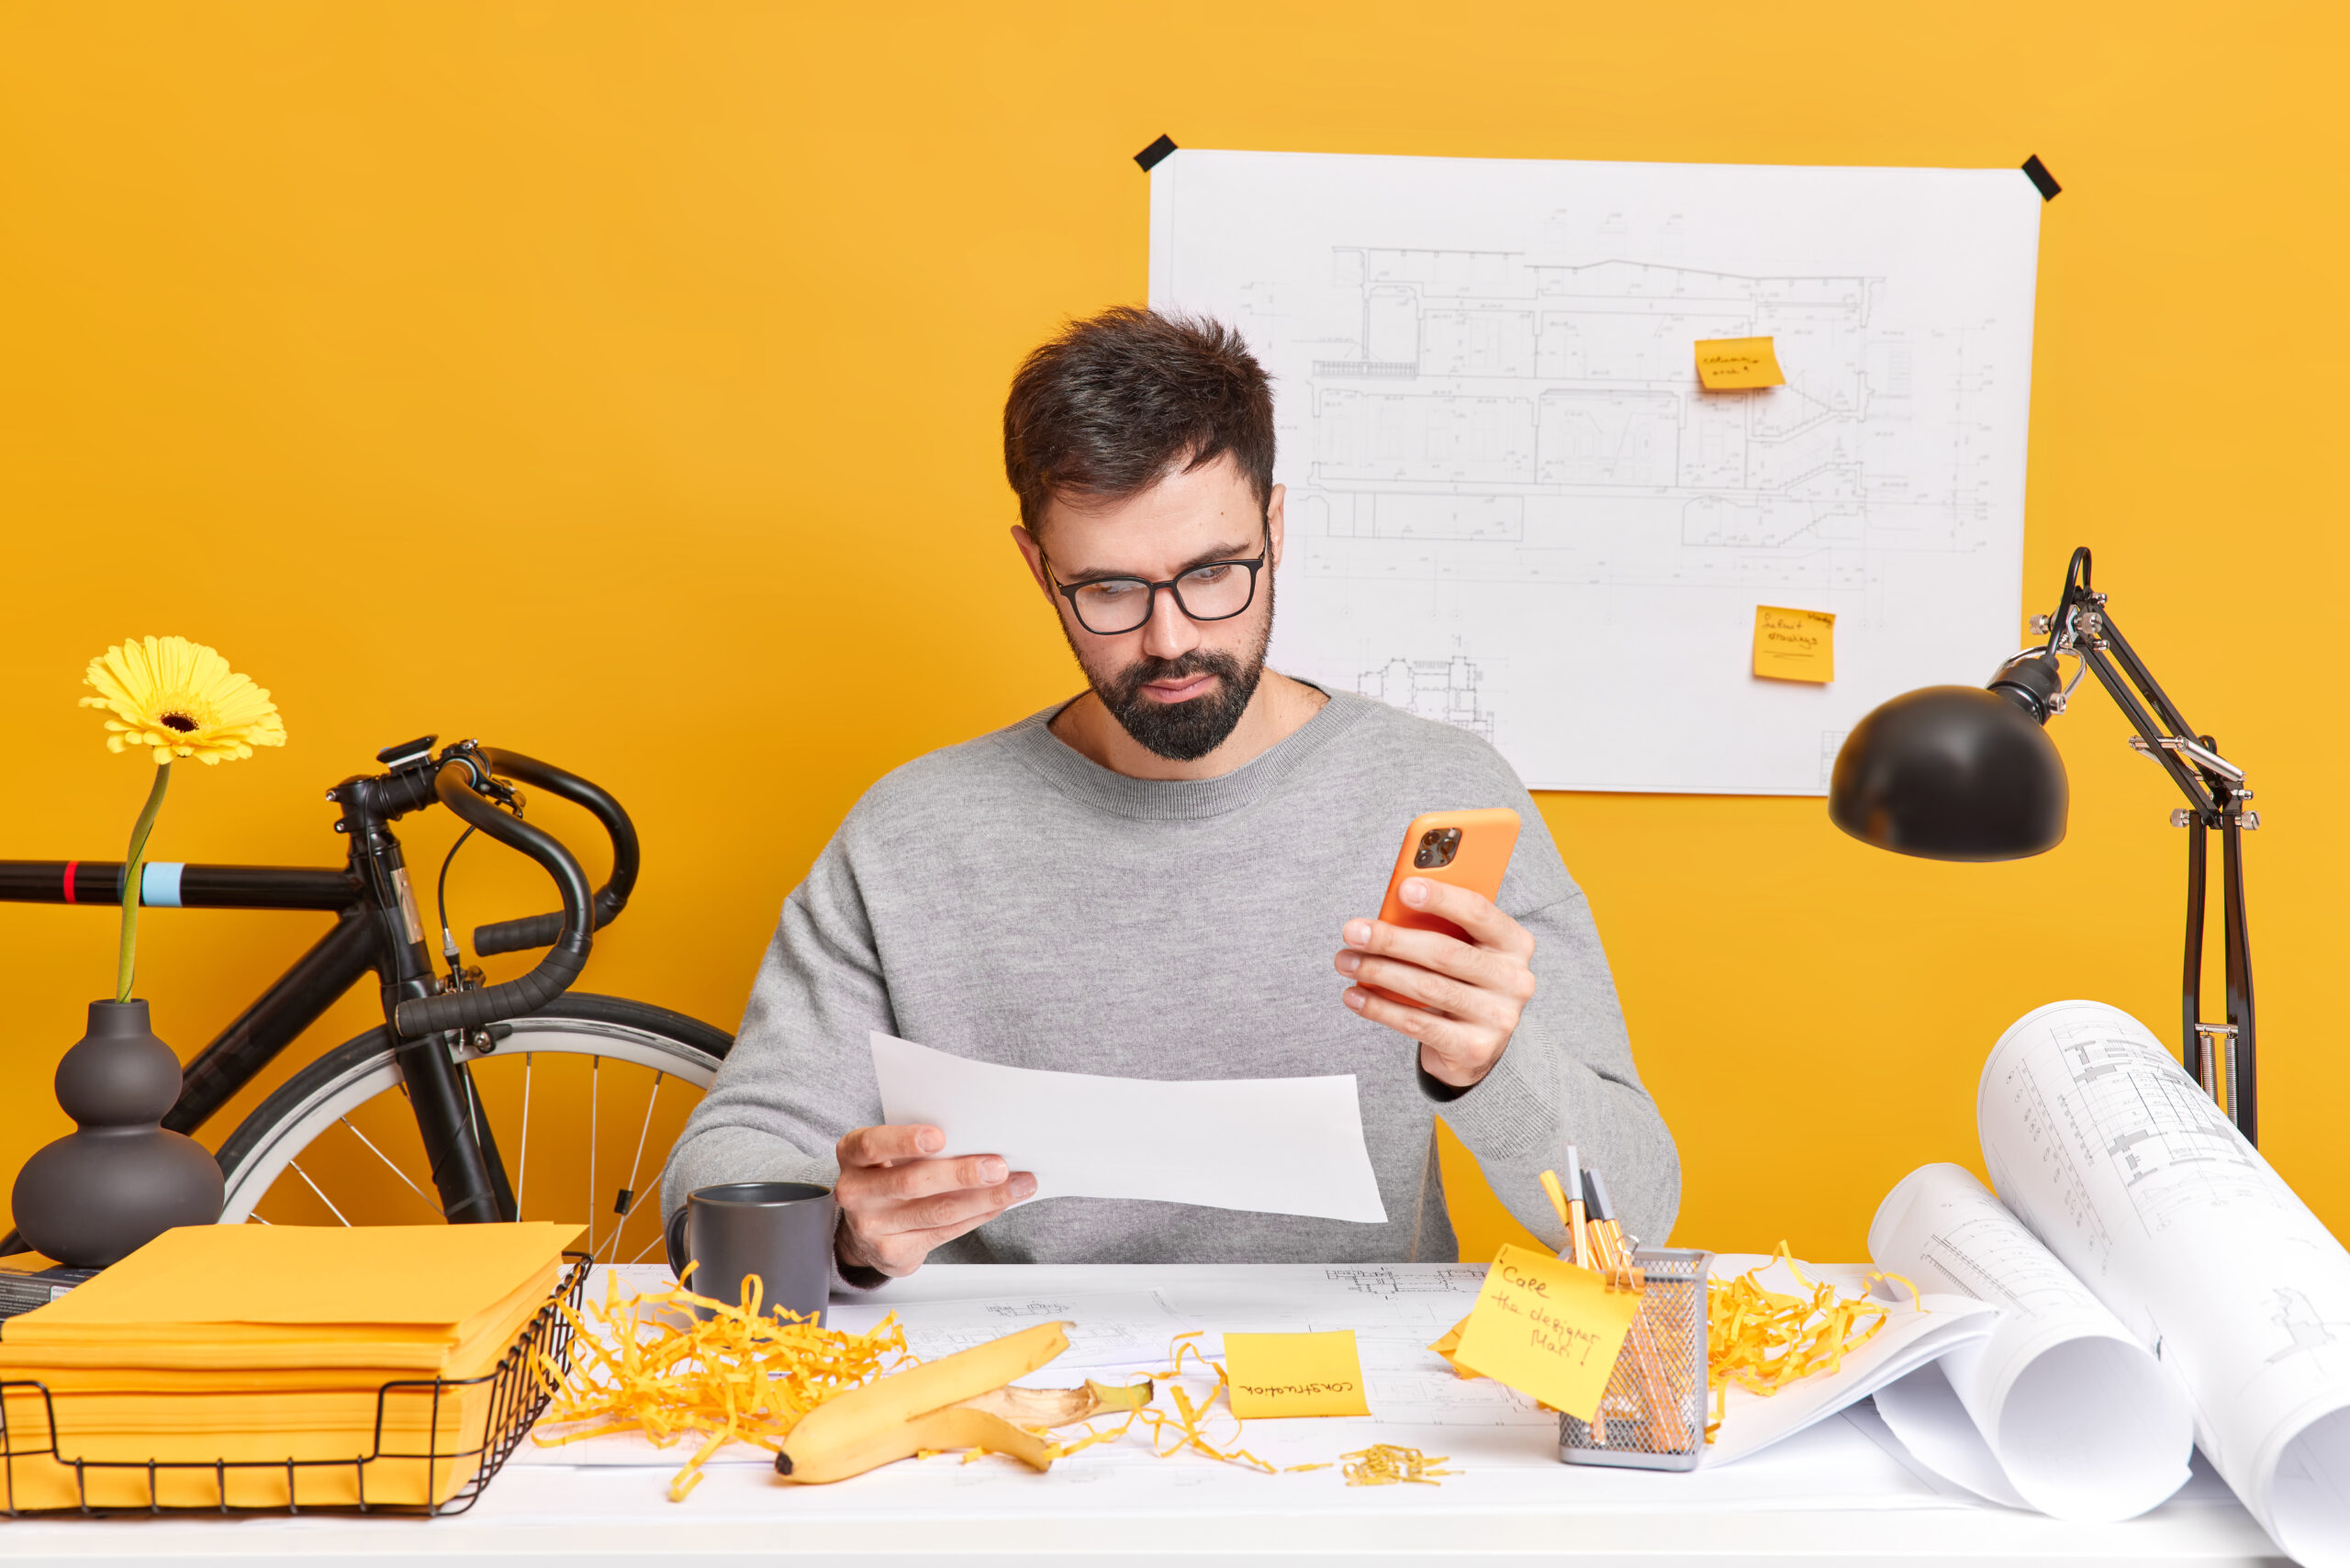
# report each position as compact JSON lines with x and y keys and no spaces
{"x":2099,"y":1142}
{"x":2059,"y":1408}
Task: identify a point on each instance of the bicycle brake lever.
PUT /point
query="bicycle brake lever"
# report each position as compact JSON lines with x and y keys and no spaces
{"x":480,"y":779}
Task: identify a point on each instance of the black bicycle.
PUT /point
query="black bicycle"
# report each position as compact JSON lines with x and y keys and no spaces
{"x":444,"y":1095}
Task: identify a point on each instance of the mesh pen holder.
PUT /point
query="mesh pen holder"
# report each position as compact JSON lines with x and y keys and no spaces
{"x":1652,"y":1416}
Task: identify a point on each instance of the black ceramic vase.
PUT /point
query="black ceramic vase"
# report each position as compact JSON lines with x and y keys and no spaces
{"x":95,"y":1196}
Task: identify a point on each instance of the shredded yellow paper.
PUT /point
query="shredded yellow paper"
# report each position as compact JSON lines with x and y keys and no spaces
{"x":1764,"y":1339}
{"x":737,"y":1375}
{"x":1383,"y":1464}
{"x":1187,"y":1428}
{"x":1386,"y":1464}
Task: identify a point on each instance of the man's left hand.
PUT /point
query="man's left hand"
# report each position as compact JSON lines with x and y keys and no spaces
{"x":1470,"y":994}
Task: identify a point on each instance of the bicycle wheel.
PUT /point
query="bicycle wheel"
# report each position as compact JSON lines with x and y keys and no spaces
{"x":578,"y":1097}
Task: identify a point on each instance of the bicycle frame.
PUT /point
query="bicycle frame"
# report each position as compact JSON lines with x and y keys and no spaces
{"x":376,"y":928}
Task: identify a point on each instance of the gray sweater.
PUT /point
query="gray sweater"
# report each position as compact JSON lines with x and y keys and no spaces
{"x":1009,"y":901}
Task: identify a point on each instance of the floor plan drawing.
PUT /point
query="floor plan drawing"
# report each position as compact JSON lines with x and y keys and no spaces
{"x":1492,"y":435}
{"x":1446,"y":690}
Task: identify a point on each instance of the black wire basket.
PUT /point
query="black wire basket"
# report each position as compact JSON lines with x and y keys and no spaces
{"x":453,"y":1471}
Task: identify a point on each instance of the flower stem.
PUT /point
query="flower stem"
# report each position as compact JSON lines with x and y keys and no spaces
{"x":130,"y":880}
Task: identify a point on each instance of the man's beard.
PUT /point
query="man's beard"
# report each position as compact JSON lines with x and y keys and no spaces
{"x":1182,"y":731}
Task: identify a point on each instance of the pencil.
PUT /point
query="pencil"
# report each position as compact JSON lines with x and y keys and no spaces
{"x":1558,"y":1196}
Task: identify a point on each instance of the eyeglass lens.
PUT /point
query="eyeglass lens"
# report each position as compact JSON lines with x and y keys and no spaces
{"x":1213,"y":592}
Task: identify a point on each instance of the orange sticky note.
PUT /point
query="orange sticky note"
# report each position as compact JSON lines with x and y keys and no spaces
{"x":1731,"y":364}
{"x":1547,"y":1328}
{"x":1447,"y":1345}
{"x":1794,"y":645}
{"x":1295,"y":1375}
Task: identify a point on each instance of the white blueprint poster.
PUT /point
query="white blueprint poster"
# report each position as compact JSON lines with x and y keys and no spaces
{"x":1510,"y":505}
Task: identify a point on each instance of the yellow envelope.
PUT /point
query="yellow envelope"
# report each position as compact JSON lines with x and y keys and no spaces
{"x":1732,"y":365}
{"x":1295,"y":1375}
{"x":1547,"y":1328}
{"x":428,"y":1280}
{"x":1794,"y":645}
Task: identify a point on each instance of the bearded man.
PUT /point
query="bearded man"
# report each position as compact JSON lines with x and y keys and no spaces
{"x":1146,"y":880}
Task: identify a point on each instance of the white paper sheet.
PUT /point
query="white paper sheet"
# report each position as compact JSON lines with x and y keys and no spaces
{"x":2099,"y":1141}
{"x":2076,"y":1418}
{"x":1506,"y":491}
{"x":1910,"y":1339}
{"x":1291,"y":1145}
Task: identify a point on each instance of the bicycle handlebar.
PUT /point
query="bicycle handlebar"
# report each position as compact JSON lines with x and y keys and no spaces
{"x":452,"y":783}
{"x":517,"y":936}
{"x":539,"y":930}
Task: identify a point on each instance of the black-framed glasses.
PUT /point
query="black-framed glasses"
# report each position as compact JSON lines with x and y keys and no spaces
{"x":1214,"y":591}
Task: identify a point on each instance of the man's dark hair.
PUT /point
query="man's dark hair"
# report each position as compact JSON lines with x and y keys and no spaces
{"x":1115,"y":404}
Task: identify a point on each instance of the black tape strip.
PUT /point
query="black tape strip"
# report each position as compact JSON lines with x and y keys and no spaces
{"x":2036,"y":172}
{"x":1152,"y":156}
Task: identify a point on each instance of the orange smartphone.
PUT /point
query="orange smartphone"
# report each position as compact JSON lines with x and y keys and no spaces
{"x":1467,"y":849}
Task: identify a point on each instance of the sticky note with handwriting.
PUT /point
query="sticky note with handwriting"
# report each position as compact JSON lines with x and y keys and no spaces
{"x":1295,"y":1375}
{"x":1794,"y":645}
{"x":1734,"y":364}
{"x":1547,"y":1328}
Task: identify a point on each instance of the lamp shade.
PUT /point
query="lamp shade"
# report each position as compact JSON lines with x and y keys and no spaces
{"x":1950,"y":773}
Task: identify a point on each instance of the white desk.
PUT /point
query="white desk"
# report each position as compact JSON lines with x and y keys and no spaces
{"x":1842,"y":1490}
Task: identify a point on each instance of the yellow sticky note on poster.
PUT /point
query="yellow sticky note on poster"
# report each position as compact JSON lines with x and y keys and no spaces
{"x":1295,"y":1375}
{"x":1733,"y":365}
{"x":1794,"y":645}
{"x":1547,"y":1328}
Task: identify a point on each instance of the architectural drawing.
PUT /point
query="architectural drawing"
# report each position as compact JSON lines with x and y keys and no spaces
{"x":1444,"y":689}
{"x":1491,"y":432}
{"x":1381,"y":1279}
{"x":2171,"y":1145}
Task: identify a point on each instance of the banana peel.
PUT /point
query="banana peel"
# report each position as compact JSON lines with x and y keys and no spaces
{"x":922,"y":1409}
{"x":1059,"y":1406}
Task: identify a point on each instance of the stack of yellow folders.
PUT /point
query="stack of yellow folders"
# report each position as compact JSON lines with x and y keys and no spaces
{"x":255,"y":1345}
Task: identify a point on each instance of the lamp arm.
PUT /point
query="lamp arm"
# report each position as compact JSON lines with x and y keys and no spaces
{"x":2164,"y":745}
{"x":2222,"y":1057}
{"x":2083,"y":627}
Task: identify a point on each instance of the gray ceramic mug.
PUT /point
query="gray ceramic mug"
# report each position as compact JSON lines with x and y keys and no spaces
{"x":781,"y":1231}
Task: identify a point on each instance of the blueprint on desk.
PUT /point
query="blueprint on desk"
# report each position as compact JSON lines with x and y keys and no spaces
{"x":1510,"y":507}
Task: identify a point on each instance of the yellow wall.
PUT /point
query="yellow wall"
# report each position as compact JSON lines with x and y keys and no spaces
{"x":620,"y":384}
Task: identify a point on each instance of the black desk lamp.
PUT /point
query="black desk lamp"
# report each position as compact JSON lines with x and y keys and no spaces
{"x":1967,"y":773}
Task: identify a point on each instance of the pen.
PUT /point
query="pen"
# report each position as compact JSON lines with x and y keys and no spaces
{"x":1647,"y":1355}
{"x":1575,"y":1208}
{"x":1594,"y":1220}
{"x":1603,"y":1212}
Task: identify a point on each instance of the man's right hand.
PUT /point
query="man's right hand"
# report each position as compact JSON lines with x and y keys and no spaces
{"x":897,"y":1201}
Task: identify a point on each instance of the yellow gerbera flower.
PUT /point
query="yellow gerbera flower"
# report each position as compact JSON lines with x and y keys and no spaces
{"x":181,"y":698}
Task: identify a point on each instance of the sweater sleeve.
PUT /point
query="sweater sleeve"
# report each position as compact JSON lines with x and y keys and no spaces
{"x":798,"y":1076}
{"x":1567,"y":1078}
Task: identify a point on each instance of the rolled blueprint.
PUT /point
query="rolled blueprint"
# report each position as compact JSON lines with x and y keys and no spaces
{"x":2060,"y":1408}
{"x":2101,"y":1144}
